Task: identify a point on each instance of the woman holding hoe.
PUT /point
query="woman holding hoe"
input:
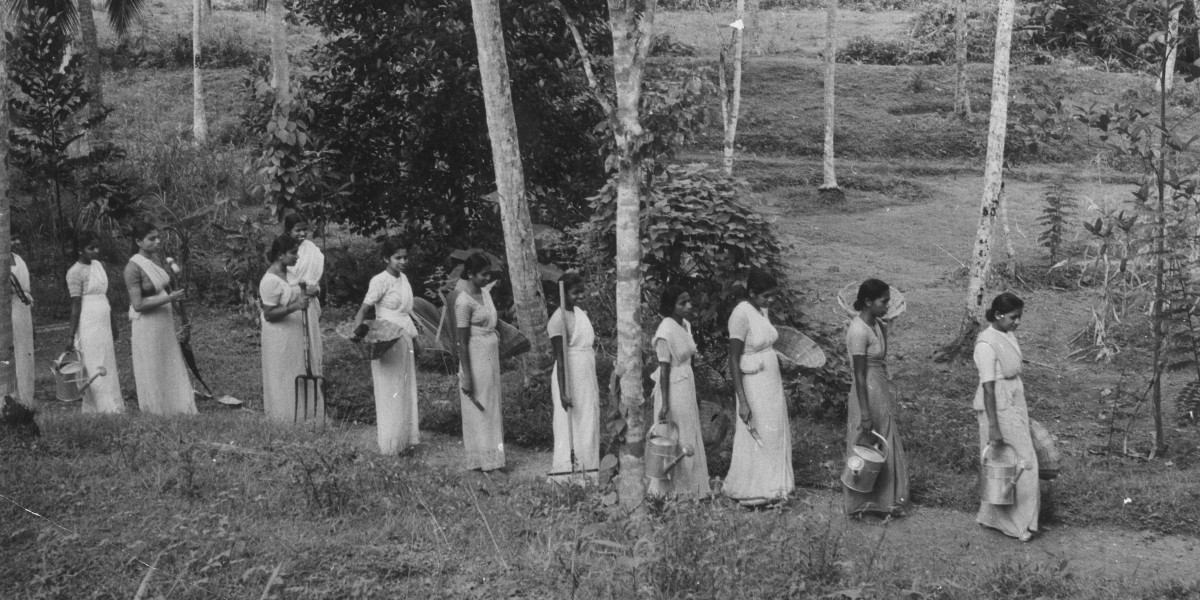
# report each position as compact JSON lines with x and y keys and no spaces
{"x":577,"y":412}
{"x":479,"y":367}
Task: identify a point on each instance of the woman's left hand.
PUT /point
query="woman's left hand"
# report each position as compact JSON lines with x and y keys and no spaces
{"x":312,"y":290}
{"x":185,"y":334}
{"x":745,"y":414}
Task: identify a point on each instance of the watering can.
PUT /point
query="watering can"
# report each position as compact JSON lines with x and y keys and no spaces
{"x":998,"y":481}
{"x":863,"y":465}
{"x":664,"y":452}
{"x":70,"y":376}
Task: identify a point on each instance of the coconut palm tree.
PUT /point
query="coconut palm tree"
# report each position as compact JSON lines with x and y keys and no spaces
{"x":78,"y":18}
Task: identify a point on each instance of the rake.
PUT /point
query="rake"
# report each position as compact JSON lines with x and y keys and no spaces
{"x":308,"y":380}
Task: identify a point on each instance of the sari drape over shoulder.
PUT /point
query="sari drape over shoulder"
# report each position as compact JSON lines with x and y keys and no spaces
{"x":998,"y":358}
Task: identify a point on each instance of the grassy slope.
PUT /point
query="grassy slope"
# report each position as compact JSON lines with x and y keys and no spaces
{"x":358,"y":529}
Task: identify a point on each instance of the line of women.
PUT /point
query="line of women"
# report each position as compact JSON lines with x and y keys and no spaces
{"x":760,"y":470}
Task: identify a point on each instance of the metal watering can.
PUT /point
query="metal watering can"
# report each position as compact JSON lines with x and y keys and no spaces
{"x":863,"y":465}
{"x":70,"y":376}
{"x":664,"y":452}
{"x":998,"y":481}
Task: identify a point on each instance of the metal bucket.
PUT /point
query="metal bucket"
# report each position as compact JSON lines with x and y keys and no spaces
{"x":70,"y":377}
{"x":863,"y":465}
{"x":998,"y":482}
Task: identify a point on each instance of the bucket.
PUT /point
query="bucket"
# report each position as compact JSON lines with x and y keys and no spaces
{"x":998,"y":482}
{"x":661,"y":450}
{"x":863,"y":465}
{"x":70,"y":377}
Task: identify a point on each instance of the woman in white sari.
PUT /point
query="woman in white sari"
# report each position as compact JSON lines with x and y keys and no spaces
{"x":309,"y":269}
{"x":1004,"y":418}
{"x":479,"y":368}
{"x":161,"y":377}
{"x":92,"y":328}
{"x":282,"y":335}
{"x":675,"y":391}
{"x":760,"y":469}
{"x":577,"y":413}
{"x":394,"y":373}
{"x":22,"y":320}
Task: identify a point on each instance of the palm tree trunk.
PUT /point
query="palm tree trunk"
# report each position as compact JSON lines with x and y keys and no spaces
{"x":199,"y":120}
{"x":993,"y":177}
{"x":962,"y":95}
{"x":280,"y":69}
{"x":510,"y":180}
{"x":8,"y":370}
{"x":731,"y":102}
{"x":91,"y":64}
{"x":829,"y":180}
{"x":632,"y":24}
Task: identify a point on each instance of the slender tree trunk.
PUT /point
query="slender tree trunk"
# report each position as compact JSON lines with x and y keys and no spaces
{"x":1158,"y":316}
{"x":280,"y":69}
{"x":199,"y":119}
{"x":993,"y":177}
{"x":1167,"y":80}
{"x":8,"y":369}
{"x":731,"y":100}
{"x":829,"y":180}
{"x":754,"y":36}
{"x":1196,"y":12}
{"x":632,"y":24}
{"x":91,"y":64}
{"x":510,"y":179}
{"x":962,"y":95}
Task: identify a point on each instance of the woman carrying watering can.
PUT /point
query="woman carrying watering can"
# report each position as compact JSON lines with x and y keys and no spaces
{"x":760,"y":470}
{"x":1004,"y":419}
{"x":871,"y":414}
{"x":91,"y":327}
{"x":675,"y":392}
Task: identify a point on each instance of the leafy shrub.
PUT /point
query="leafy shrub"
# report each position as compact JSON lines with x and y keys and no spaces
{"x":864,"y":5}
{"x":1111,"y":30}
{"x":1056,"y":216}
{"x":933,"y":28}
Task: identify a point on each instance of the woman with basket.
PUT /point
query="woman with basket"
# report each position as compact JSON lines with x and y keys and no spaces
{"x":282,"y":333}
{"x":394,"y":373}
{"x":577,"y":412}
{"x":760,"y":469}
{"x":871,"y":408}
{"x":675,"y":390}
{"x":159,"y":372}
{"x":1004,"y":418}
{"x":479,"y":367}
{"x":91,"y":327}
{"x":306,"y":274}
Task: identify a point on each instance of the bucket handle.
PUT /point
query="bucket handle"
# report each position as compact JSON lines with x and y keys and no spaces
{"x":54,"y":365}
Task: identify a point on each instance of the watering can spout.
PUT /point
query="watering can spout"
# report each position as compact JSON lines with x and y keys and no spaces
{"x":685,"y":451}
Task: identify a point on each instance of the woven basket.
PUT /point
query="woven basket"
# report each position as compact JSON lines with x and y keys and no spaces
{"x":798,"y":349}
{"x":847,"y":295}
{"x":715,"y":423}
{"x":434,"y":332}
{"x":512,"y":341}
{"x":1048,"y":457}
{"x":381,"y":336}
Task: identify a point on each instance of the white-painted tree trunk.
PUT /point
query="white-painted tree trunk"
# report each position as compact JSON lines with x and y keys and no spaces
{"x":280,"y":67}
{"x":1011,"y":265}
{"x":1167,"y":81}
{"x":510,"y":180}
{"x":199,"y":119}
{"x":731,"y":99}
{"x":962,"y":95}
{"x":632,"y":24}
{"x":829,"y":174}
{"x":993,"y":176}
